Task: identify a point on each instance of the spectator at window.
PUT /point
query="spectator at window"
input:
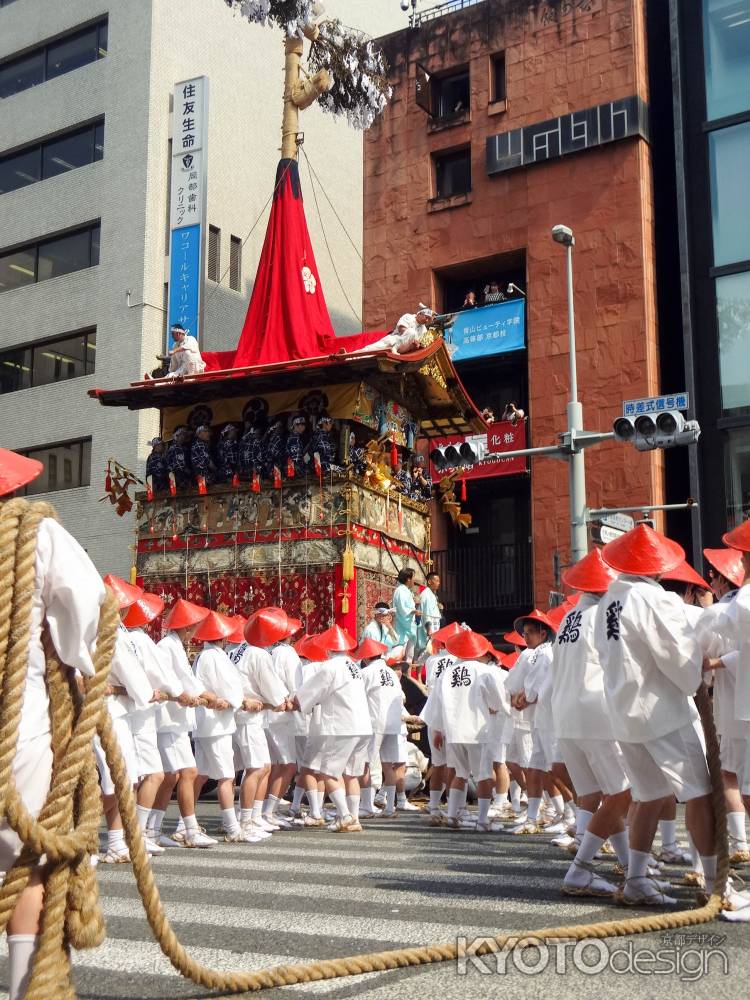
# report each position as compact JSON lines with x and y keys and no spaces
{"x":470,"y":300}
{"x":492,"y":293}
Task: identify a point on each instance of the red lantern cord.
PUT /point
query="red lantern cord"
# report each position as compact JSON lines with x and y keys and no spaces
{"x":276,"y":477}
{"x":255,"y":484}
{"x":289,"y":469}
{"x":235,"y":480}
{"x":394,"y":451}
{"x":202,"y":488}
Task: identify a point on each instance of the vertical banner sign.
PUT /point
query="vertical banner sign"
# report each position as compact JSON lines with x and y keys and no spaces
{"x":187,"y":211}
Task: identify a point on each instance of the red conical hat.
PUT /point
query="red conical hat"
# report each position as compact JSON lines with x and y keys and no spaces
{"x":686,"y":574}
{"x":643,"y":552}
{"x":369,"y":648}
{"x":590,"y":574}
{"x":143,"y":612}
{"x":16,"y":471}
{"x":446,"y":632}
{"x":293,"y":625}
{"x":739,"y":537}
{"x":125,"y":593}
{"x":183,"y":614}
{"x":214,"y":626}
{"x":336,"y":640}
{"x":238,"y":635}
{"x":533,"y":616}
{"x":514,"y":638}
{"x":728,"y":562}
{"x":308,"y":646}
{"x":468,"y":645}
{"x":267,"y":626}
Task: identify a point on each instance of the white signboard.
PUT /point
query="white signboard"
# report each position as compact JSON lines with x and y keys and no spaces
{"x":608,"y":534}
{"x":655,"y":404}
{"x":622,"y":522}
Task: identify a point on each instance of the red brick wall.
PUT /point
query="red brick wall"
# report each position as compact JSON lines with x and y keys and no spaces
{"x":604,"y":195}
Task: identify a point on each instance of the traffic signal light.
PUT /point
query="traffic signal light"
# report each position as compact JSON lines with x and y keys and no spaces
{"x":667,"y":429}
{"x":459,"y":456}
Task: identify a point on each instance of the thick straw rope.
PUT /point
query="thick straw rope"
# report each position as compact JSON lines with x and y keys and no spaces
{"x":66,"y":829}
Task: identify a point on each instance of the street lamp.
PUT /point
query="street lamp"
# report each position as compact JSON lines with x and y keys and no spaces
{"x":577,"y":470}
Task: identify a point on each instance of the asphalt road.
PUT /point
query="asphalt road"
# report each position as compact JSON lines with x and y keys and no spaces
{"x":310,"y":894}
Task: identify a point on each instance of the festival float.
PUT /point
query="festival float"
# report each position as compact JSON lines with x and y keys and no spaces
{"x":321,"y":525}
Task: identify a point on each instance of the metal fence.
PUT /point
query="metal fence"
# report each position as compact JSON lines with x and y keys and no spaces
{"x":449,"y":7}
{"x":495,"y":576}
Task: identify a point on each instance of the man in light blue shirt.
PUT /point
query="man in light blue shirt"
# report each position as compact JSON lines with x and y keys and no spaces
{"x":405,"y":606}
{"x":381,"y":627}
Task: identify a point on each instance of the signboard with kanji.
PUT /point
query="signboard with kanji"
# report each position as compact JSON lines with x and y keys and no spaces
{"x":501,"y":436}
{"x":493,"y":329}
{"x":187,"y":208}
{"x":655,"y":404}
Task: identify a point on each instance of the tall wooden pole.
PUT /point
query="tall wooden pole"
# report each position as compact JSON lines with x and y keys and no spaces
{"x":298,"y":93}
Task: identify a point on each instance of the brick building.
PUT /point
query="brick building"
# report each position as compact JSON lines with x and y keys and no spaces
{"x":456,"y":195}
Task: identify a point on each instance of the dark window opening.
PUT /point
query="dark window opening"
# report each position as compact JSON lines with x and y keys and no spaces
{"x":53,"y":59}
{"x":497,"y":81}
{"x":451,"y":95}
{"x":52,"y":361}
{"x":71,"y":458}
{"x":50,"y":258}
{"x":453,"y":173}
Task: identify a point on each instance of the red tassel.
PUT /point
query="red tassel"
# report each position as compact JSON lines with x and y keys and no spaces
{"x":108,"y":483}
{"x":255,"y":484}
{"x":172,"y":484}
{"x":317,"y":466}
{"x":149,"y":493}
{"x":202,"y":488}
{"x":235,"y":480}
{"x":276,"y":477}
{"x":394,"y":452}
{"x":463,"y":490}
{"x":289,"y":469}
{"x":174,"y":538}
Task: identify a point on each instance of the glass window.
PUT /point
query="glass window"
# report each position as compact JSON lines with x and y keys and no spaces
{"x":95,"y":242}
{"x":67,"y":152}
{"x":60,"y":361}
{"x":72,"y":52}
{"x":726,"y":44}
{"x":729,"y":156}
{"x":737,"y":466}
{"x":99,"y":141}
{"x":453,"y":173}
{"x":20,"y":169}
{"x":103,"y":39}
{"x":66,"y":466}
{"x":451,"y":95}
{"x":64,"y":254}
{"x":15,"y":370}
{"x":733,"y":311}
{"x":17,"y":268}
{"x":20,"y":74}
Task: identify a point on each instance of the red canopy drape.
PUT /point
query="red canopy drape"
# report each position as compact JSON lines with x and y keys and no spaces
{"x":287,"y":318}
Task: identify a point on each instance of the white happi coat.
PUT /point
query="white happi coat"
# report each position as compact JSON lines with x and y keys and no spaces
{"x":127,"y":672}
{"x":160,"y":675}
{"x":67,"y":595}
{"x":171,"y":717}
{"x":338,"y":688}
{"x":732,"y":624}
{"x":436,"y":664}
{"x":260,"y":682}
{"x":459,"y":706}
{"x":651,"y":658}
{"x":537,"y":684}
{"x":188,"y":360}
{"x":288,"y":667}
{"x":216,"y":672}
{"x":515,"y":682}
{"x":385,"y":697}
{"x":579,"y":706}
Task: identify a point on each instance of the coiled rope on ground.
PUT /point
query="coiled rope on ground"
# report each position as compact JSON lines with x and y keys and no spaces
{"x":66,"y":830}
